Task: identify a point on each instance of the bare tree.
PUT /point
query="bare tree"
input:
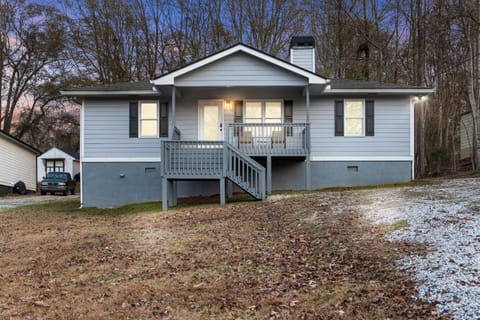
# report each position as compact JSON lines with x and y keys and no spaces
{"x":267,"y":25}
{"x":469,"y":22}
{"x":32,"y":41}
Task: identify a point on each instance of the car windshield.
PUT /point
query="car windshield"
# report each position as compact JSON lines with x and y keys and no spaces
{"x":57,"y":175}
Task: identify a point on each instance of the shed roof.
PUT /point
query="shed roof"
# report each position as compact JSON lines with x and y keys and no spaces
{"x":74,"y":155}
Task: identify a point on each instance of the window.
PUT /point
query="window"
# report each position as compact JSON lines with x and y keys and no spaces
{"x":263,"y":112}
{"x":55,"y":165}
{"x":148,"y":119}
{"x":354,"y":118}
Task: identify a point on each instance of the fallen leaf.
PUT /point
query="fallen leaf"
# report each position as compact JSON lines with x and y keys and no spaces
{"x":41,"y":304}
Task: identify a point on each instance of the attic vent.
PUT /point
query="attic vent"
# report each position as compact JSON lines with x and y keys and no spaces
{"x":302,"y":52}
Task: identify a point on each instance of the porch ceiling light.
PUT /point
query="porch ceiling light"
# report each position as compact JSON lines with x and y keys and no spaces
{"x":228,"y":105}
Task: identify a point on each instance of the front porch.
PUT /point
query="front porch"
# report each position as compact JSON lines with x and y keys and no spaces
{"x":230,"y":161}
{"x":216,"y":133}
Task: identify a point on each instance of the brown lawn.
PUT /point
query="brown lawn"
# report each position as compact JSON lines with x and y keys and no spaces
{"x":289,"y":259}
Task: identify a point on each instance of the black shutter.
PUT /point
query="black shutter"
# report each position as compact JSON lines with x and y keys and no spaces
{"x":339,"y":117}
{"x":163,"y":119}
{"x":288,"y":115}
{"x":369,"y":118}
{"x":133,"y":119}
{"x":238,"y":115}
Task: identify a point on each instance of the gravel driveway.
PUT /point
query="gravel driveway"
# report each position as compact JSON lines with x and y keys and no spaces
{"x":18,"y":201}
{"x":445,"y":218}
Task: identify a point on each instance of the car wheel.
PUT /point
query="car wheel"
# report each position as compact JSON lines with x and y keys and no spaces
{"x":43,"y":193}
{"x":72,"y":191}
{"x":65,"y":193}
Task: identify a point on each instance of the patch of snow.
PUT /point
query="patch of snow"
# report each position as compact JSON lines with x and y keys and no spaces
{"x":277,"y":197}
{"x":445,"y":217}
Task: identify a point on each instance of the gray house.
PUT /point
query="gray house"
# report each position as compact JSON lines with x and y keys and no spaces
{"x":242,"y":119}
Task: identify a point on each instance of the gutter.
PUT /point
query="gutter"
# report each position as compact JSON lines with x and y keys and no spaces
{"x":84,"y":93}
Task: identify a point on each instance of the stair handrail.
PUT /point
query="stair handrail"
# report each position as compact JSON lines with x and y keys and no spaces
{"x":260,"y":170}
{"x":244,"y":155}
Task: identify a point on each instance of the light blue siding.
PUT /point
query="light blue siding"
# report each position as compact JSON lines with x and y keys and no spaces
{"x":106,"y":124}
{"x":107,"y":132}
{"x":392,"y":130}
{"x":303,"y":57}
{"x":240,"y":70}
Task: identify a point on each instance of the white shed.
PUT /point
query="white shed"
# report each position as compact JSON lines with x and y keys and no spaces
{"x":466,"y":136}
{"x":58,"y":160}
{"x":18,"y":162}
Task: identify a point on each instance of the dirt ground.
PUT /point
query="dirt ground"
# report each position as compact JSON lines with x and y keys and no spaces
{"x":287,"y":259}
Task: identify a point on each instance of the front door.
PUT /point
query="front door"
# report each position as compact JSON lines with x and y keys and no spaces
{"x":210,"y":120}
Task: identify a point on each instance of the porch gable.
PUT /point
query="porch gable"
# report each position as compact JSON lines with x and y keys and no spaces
{"x":240,"y":69}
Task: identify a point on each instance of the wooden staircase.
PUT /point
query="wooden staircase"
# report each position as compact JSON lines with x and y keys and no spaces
{"x":245,"y":172}
{"x":209,"y":160}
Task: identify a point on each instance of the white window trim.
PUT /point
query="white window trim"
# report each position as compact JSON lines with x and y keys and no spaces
{"x":345,"y":118}
{"x":263,"y":102}
{"x":140,"y":119}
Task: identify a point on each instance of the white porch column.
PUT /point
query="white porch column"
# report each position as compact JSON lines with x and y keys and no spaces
{"x":174,"y":103}
{"x":307,"y":102}
{"x":307,"y":162}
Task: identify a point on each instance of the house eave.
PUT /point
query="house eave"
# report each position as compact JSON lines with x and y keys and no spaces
{"x":97,"y":93}
{"x":414,"y":92}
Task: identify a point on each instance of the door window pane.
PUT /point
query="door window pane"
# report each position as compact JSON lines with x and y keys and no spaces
{"x":210,"y":122}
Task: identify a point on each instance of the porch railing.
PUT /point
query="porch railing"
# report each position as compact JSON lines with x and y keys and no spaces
{"x":192,"y":159}
{"x":261,"y":139}
{"x":212,"y":160}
